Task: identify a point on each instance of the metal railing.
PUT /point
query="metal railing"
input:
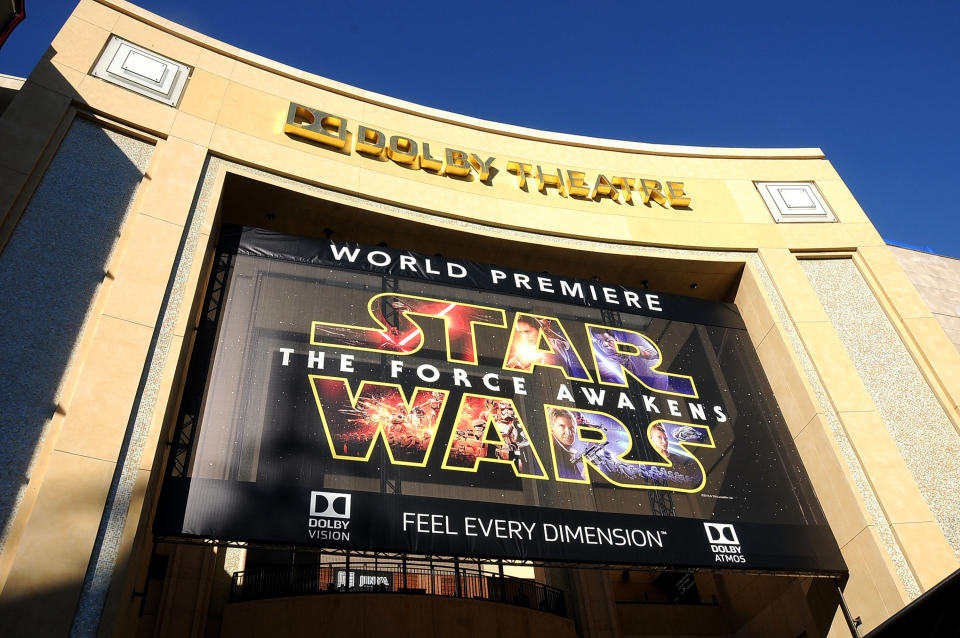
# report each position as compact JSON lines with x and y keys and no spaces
{"x":377,"y":577}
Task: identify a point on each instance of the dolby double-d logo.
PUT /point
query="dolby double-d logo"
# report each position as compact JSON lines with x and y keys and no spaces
{"x":724,"y":543}
{"x":721,"y":534}
{"x":329,"y":517}
{"x":330,"y":504}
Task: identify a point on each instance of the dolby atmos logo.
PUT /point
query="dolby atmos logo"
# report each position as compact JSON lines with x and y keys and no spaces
{"x":724,"y":543}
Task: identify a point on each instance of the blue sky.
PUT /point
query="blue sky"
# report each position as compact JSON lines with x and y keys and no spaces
{"x":875,"y":85}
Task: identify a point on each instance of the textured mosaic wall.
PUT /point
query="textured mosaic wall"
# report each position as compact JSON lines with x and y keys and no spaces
{"x":49,"y":275}
{"x":921,"y":429}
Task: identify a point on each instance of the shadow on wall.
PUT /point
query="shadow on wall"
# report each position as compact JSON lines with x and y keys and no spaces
{"x":39,"y":598}
{"x":6,"y":97}
{"x":50,"y":271}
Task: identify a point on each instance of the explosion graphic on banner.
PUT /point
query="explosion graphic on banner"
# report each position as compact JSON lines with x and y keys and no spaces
{"x":353,"y":422}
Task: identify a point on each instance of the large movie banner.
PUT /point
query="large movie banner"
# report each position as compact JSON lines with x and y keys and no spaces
{"x":368,"y":399}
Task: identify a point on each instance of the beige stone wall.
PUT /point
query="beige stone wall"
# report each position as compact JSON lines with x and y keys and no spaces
{"x":937,"y":279}
{"x":230,"y":121}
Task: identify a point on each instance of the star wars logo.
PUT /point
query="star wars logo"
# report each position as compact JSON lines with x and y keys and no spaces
{"x":724,"y":543}
{"x":329,"y":516}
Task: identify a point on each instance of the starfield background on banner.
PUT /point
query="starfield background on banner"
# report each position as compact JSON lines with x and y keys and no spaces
{"x":362,"y":398}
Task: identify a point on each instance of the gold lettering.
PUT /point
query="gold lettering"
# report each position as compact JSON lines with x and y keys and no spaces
{"x":521,"y":170}
{"x":316,"y":125}
{"x":428,"y":161}
{"x":651,"y":189}
{"x":332,"y":130}
{"x":370,"y":140}
{"x":626,"y":185}
{"x":402,"y":150}
{"x":550,"y":179}
{"x":676,"y":195}
{"x":482,"y":168}
{"x":603,"y":188}
{"x":457,"y":163}
{"x":576,"y":185}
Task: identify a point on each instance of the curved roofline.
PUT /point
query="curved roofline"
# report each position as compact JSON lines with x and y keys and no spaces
{"x":448,"y":117}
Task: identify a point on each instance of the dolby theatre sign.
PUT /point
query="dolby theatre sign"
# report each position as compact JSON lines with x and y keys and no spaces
{"x":334,"y":131}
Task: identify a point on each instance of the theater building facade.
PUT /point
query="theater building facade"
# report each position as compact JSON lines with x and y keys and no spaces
{"x":281,"y":355}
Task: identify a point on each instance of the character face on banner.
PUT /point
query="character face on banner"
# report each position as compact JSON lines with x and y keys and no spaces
{"x":568,"y":463}
{"x":542,"y":341}
{"x":563,"y":427}
{"x":528,"y":335}
{"x":658,"y":437}
{"x":608,"y":345}
{"x":618,"y":352}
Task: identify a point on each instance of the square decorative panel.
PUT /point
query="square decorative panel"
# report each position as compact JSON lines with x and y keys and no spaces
{"x":142,"y":71}
{"x":792,"y":202}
